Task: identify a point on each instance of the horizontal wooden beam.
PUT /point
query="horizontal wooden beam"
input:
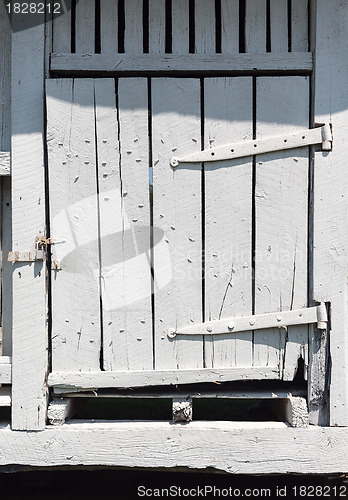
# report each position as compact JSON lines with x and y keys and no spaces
{"x":5,"y":163}
{"x":233,"y":447}
{"x":122,"y":64}
{"x":184,"y":392}
{"x":5,"y":370}
{"x":95,"y":380}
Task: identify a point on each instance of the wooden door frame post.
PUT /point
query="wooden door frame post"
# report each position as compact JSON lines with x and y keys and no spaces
{"x":330,"y":46}
{"x":29,"y":362}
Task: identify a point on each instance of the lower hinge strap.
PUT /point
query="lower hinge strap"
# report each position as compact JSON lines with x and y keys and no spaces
{"x":317,"y":314}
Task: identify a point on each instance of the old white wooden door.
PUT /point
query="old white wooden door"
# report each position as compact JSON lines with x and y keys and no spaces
{"x":140,"y":248}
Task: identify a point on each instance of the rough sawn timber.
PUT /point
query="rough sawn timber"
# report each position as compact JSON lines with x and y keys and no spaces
{"x":143,"y":378}
{"x":112,"y":64}
{"x":330,"y":194}
{"x":234,"y":447}
{"x":29,"y":333}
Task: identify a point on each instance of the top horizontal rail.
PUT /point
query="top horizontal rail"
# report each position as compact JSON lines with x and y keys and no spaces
{"x":115,"y":64}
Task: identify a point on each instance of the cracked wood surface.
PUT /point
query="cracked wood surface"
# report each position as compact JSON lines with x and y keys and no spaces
{"x":330,"y":194}
{"x":123,"y":153}
{"x":233,"y":447}
{"x":74,"y":224}
{"x":281,"y":218}
{"x":29,"y":332}
{"x":228,"y":219}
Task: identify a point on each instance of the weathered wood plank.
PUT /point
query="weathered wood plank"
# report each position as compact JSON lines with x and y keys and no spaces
{"x":330,"y":194}
{"x":205,"y":27}
{"x":133,"y":35}
{"x":190,"y":63}
{"x":136,"y":315}
{"x":85,"y":27}
{"x":125,"y":225}
{"x":61,"y":32}
{"x":279,"y":25}
{"x":180,"y":26}
{"x":6,"y":245}
{"x":144,"y":378}
{"x":157,"y":26}
{"x":160,"y":444}
{"x":108,"y":26}
{"x":255,"y":26}
{"x":74,"y":224}
{"x":229,"y":26}
{"x":318,"y":377}
{"x":228,"y":226}
{"x":299,"y":25}
{"x":281,"y":207}
{"x":5,"y":80}
{"x":28,"y":203}
{"x":110,"y":213}
{"x":177,"y":212}
{"x":220,"y":393}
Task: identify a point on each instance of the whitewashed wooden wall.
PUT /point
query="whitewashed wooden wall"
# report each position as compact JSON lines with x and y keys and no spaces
{"x":104,"y":109}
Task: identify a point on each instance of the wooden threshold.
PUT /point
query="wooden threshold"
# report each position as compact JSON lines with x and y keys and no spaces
{"x":95,"y":380}
{"x":125,"y":64}
{"x":233,"y":447}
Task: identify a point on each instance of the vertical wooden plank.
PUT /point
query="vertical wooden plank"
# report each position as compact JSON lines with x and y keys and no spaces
{"x":229,"y":26}
{"x":61,"y":33}
{"x":125,"y":224}
{"x":299,"y":26}
{"x":177,"y":211}
{"x":157,"y":26}
{"x":228,"y":224}
{"x":180,"y":27}
{"x":74,"y":225}
{"x":133,"y":35}
{"x":29,"y":342}
{"x":5,"y":80}
{"x":330,"y":194}
{"x":6,"y":235}
{"x":255,"y":26}
{"x":85,"y":27}
{"x":5,"y":145}
{"x":109,"y":26}
{"x":281,"y":207}
{"x":136,"y":316}
{"x":110,"y":214}
{"x":279,"y":25}
{"x":205,"y":27}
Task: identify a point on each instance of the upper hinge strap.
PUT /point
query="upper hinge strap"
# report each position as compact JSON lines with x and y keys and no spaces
{"x":317,"y":314}
{"x":319,"y":135}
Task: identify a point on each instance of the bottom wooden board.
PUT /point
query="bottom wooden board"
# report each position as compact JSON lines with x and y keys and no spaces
{"x":234,"y":447}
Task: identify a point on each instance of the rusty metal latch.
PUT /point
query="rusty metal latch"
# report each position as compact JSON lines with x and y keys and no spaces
{"x":284,"y":319}
{"x":319,"y":135}
{"x":38,"y":254}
